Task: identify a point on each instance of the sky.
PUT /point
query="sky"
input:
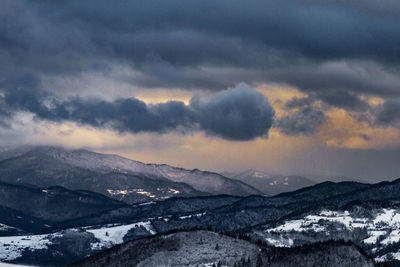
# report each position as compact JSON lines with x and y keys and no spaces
{"x":286,"y":87}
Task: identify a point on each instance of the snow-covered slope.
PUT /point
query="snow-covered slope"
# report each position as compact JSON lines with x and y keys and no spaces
{"x":377,"y":231}
{"x":73,"y":244}
{"x":85,"y":241}
{"x":194,"y":248}
{"x":207,"y":249}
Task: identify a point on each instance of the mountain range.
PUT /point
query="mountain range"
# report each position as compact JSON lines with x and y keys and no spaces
{"x":270,"y":184}
{"x":59,"y":206}
{"x":111,"y":175}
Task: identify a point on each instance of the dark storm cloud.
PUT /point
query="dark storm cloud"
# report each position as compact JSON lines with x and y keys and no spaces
{"x":298,"y":102}
{"x":388,"y":113}
{"x":343,"y":99}
{"x":169,"y":40}
{"x":366,"y":137}
{"x":334,"y":51}
{"x":336,"y":98}
{"x":302,"y":27}
{"x":304,"y":121}
{"x":239,"y":113}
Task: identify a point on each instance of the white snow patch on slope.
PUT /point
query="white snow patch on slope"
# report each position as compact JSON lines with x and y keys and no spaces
{"x":3,"y":264}
{"x":109,"y":236}
{"x":282,"y":242}
{"x":393,"y":237}
{"x":388,"y":216}
{"x":312,"y":222}
{"x":190,"y":216}
{"x":384,"y":227}
{"x":4,"y":227}
{"x":374,"y":235}
{"x":11,"y":247}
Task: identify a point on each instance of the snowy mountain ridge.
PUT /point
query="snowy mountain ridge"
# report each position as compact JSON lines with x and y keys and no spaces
{"x":117,"y":177}
{"x":200,"y":180}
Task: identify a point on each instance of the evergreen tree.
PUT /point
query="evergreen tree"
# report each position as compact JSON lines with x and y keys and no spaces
{"x":259,"y":262}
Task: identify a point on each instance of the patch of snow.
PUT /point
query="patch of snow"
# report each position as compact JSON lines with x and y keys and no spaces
{"x":374,"y":235}
{"x":208,"y":264}
{"x":280,"y":242}
{"x":11,"y":247}
{"x":259,"y":174}
{"x":389,"y":256}
{"x":393,"y":237}
{"x":3,"y":264}
{"x":190,"y":216}
{"x":147,"y":203}
{"x":390,"y":217}
{"x":109,"y":236}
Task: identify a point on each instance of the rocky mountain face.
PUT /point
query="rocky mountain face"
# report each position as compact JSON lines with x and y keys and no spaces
{"x":271,"y":184}
{"x":114,"y":176}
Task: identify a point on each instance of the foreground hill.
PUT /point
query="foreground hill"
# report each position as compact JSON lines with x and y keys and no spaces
{"x":117,"y":177}
{"x":204,"y":248}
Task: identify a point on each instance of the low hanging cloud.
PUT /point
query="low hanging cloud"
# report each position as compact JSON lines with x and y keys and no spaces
{"x":303,"y":118}
{"x":304,"y":121}
{"x":239,"y":113}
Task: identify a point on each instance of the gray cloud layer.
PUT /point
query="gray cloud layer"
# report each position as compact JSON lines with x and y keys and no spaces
{"x":180,"y":43}
{"x":332,"y":50}
{"x":239,"y":113}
